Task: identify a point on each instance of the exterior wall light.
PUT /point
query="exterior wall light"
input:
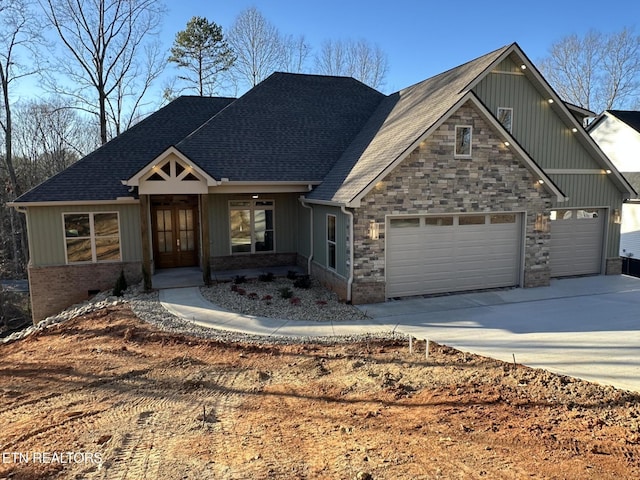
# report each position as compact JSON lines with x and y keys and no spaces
{"x":523,"y":67}
{"x":550,"y":100}
{"x":374,"y":230}
{"x":574,"y":130}
{"x":608,"y":172}
{"x":617,"y":218}
{"x":506,"y":144}
{"x":541,"y":182}
{"x":542,"y":223}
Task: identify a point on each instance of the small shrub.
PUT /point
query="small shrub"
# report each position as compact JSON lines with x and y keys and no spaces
{"x":292,"y":275}
{"x":241,"y":291}
{"x":295,"y":301}
{"x":120,"y":286}
{"x":234,"y":288}
{"x":266,"y":298}
{"x":266,"y":277}
{"x":253,"y":296}
{"x":285,"y":292}
{"x":321,"y":303}
{"x":238,"y":279}
{"x":303,"y":282}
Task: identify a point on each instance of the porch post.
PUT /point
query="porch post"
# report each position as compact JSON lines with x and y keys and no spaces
{"x":205,"y":262}
{"x":146,"y":253}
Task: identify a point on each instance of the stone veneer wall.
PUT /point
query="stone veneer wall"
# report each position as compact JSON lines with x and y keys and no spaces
{"x":431,"y":180}
{"x":613,"y":266}
{"x":54,"y":288}
{"x":330,"y":280}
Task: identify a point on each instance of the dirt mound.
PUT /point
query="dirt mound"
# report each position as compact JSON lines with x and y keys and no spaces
{"x":108,"y":396}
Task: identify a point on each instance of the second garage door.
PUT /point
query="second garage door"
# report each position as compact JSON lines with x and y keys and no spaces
{"x":576,"y":242}
{"x":452,"y":253}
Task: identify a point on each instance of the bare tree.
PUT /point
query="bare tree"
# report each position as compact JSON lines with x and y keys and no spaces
{"x":19,"y":34}
{"x":295,"y":53}
{"x":112,"y":55}
{"x":50,"y":138}
{"x":597,"y":71}
{"x":358,"y":59}
{"x":257,"y":45}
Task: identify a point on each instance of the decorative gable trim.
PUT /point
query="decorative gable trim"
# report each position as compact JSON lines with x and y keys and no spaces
{"x":172,"y":172}
{"x":502,"y":132}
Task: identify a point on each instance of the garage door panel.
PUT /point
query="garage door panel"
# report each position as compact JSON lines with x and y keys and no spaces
{"x":437,"y":259}
{"x":576,"y":246}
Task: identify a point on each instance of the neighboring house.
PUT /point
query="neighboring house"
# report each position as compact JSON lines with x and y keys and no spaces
{"x":617,"y":132}
{"x":480,"y":177}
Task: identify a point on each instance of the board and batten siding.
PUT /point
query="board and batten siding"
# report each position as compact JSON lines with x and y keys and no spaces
{"x":320,"y":213}
{"x":286,"y":212}
{"x":535,"y":125}
{"x":46,"y":232}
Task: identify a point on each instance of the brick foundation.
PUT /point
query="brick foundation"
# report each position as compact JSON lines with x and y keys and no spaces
{"x":330,"y":280}
{"x":259,"y":260}
{"x":368,"y":292}
{"x":613,"y":266}
{"x":55,"y":288}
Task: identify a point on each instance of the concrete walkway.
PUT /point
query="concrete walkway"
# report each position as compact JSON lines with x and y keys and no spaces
{"x":584,"y":327}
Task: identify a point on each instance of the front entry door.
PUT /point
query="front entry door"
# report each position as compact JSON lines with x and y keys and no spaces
{"x":175,"y":233}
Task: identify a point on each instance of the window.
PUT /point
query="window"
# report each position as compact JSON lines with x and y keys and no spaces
{"x":92,"y":237}
{"x":331,"y":241}
{"x":505,"y":117}
{"x":471,"y":220}
{"x":463,"y":141}
{"x":404,"y":222}
{"x":438,"y":221}
{"x":252,"y":226}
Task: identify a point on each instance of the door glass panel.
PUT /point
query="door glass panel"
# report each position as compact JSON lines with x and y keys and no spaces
{"x":165,"y":232}
{"x":263,"y":230}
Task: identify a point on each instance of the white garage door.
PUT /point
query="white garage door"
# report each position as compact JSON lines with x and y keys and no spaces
{"x":451,"y":253}
{"x":576,"y":242}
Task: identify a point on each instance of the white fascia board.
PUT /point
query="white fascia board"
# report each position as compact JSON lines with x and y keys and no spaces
{"x":135,"y":180}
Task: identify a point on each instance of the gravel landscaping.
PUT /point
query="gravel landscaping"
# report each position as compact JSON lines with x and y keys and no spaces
{"x":280,"y":298}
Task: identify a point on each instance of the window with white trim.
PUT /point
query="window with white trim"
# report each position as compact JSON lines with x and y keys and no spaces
{"x":331,"y":242}
{"x":463,"y":141}
{"x":92,"y":237}
{"x":252,"y":226}
{"x":505,"y":117}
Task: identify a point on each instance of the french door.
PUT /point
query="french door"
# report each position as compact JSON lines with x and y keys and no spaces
{"x":175,"y":232}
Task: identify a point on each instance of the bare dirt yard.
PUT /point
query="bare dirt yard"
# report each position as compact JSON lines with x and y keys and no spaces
{"x":107,"y":396}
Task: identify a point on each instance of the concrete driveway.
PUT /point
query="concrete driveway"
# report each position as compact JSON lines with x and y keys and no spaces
{"x":583,"y":327}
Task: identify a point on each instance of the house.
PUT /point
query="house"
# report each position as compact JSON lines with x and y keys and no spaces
{"x":617,"y":132}
{"x":479,"y":177}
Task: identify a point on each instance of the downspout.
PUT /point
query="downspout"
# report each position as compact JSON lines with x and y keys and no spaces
{"x":350,"y":279}
{"x":310,"y":259}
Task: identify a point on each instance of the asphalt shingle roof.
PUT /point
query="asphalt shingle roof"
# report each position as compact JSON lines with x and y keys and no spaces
{"x":98,"y":175}
{"x":291,"y":127}
{"x":399,"y":121}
